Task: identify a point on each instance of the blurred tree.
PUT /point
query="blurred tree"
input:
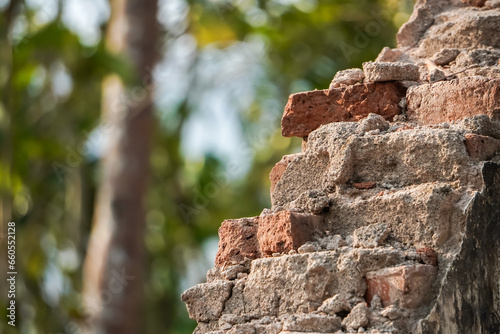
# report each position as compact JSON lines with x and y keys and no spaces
{"x":114,"y":265}
{"x":238,"y":58}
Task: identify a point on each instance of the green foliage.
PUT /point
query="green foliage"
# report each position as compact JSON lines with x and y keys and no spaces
{"x":49,"y":179}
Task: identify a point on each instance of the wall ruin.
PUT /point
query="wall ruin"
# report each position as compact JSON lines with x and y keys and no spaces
{"x":388,"y":221}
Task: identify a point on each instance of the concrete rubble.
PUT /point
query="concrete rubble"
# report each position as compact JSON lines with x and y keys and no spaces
{"x":388,"y":221}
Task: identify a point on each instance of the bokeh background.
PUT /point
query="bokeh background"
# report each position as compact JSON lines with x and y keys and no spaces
{"x":201,"y":86}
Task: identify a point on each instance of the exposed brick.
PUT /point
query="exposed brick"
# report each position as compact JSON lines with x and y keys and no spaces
{"x":283,"y":231}
{"x":279,"y":169}
{"x":365,"y":185}
{"x":481,"y":147}
{"x":409,"y":285}
{"x":237,"y":241}
{"x":427,"y":255}
{"x":475,"y":3}
{"x":306,"y":111}
{"x":448,"y":101}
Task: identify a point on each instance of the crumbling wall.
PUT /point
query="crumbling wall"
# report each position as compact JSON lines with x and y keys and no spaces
{"x":388,"y":221}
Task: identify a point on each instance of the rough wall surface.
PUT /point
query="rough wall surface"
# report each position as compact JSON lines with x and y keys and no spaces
{"x":388,"y":221}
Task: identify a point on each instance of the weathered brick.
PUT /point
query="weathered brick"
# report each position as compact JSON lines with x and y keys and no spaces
{"x":409,"y":285}
{"x":365,"y":185}
{"x":283,"y":231}
{"x":448,"y":101}
{"x":237,"y":241}
{"x":427,"y":255}
{"x":306,"y":111}
{"x":481,"y":147}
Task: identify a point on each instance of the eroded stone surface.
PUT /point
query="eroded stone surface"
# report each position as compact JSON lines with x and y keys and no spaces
{"x":357,"y":318}
{"x":312,"y":322}
{"x":390,"y":71}
{"x":279,"y":169}
{"x":445,"y":56}
{"x":370,"y":236}
{"x":314,"y":201}
{"x":335,"y":304}
{"x":205,"y":302}
{"x":347,"y":77}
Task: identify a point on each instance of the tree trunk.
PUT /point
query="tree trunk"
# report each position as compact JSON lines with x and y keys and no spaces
{"x":112,"y":287}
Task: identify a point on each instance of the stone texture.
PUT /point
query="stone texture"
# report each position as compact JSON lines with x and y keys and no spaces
{"x":312,"y":323}
{"x":373,"y":122}
{"x":445,"y":56}
{"x":268,"y":291}
{"x":232,"y":272}
{"x":447,"y":101}
{"x":390,"y":55}
{"x":435,"y":74}
{"x":238,"y":240}
{"x":357,"y":318}
{"x":314,"y":201}
{"x":242,"y":329}
{"x":481,"y":125}
{"x":283,"y":231}
{"x":305,"y":112}
{"x":406,"y":286}
{"x":436,"y":25}
{"x":331,"y":242}
{"x":492,"y":4}
{"x":481,"y":57}
{"x":335,"y":304}
{"x":390,"y":71}
{"x":279,"y":169}
{"x":478,"y":261}
{"x":425,"y":214}
{"x":370,"y":236}
{"x":481,"y":147}
{"x":205,"y":302}
{"x":339,"y":155}
{"x":308,"y":247}
{"x":420,"y":21}
{"x":347,"y":77}
{"x":456,"y":29}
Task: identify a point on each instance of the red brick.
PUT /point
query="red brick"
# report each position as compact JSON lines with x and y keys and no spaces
{"x":448,"y":101}
{"x":475,"y":3}
{"x":237,"y":241}
{"x":283,"y":231}
{"x":409,"y":285}
{"x":481,"y":147}
{"x":306,"y":111}
{"x":365,"y":185}
{"x":428,"y":255}
{"x":279,"y":169}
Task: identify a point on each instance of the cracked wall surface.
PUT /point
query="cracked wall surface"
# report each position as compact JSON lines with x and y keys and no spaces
{"x":388,"y":221}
